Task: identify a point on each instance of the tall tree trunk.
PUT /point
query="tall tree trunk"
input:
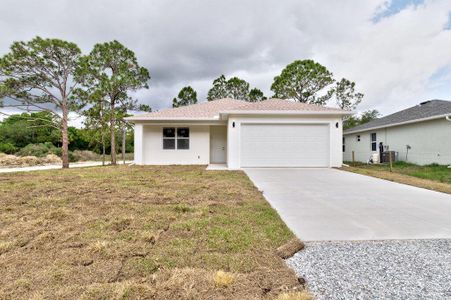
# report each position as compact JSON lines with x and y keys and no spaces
{"x":124,"y":132}
{"x":102,"y":128}
{"x":65,"y":139}
{"x":113,"y":134}
{"x":103,"y":146}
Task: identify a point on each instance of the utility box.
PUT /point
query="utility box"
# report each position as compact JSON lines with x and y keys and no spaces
{"x":386,"y":156}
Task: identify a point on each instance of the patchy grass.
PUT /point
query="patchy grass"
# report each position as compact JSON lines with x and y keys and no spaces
{"x":433,"y":177}
{"x":295,"y":296}
{"x":139,"y":232}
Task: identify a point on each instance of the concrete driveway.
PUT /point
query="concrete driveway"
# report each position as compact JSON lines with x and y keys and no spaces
{"x":329,"y":204}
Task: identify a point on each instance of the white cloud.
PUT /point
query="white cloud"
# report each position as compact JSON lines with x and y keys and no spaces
{"x":183,"y":43}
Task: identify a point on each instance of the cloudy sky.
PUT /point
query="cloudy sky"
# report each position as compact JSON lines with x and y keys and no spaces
{"x":398,"y":52}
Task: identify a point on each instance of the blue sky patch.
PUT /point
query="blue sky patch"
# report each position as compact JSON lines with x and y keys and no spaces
{"x":442,"y":74}
{"x":448,"y":24}
{"x":395,"y":7}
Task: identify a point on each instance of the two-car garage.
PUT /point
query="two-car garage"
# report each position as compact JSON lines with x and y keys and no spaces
{"x":284,"y":145}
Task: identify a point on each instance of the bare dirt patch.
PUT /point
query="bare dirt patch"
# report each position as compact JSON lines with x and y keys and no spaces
{"x":139,"y":232}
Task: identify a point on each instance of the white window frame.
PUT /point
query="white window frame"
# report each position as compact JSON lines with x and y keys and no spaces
{"x":373,"y":142}
{"x":344,"y":144}
{"x":175,"y":138}
{"x":169,"y":138}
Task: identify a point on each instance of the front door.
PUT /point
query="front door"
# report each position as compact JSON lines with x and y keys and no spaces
{"x":218,"y":144}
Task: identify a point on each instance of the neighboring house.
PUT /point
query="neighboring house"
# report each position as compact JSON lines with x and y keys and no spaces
{"x":424,"y":129}
{"x":270,"y":133}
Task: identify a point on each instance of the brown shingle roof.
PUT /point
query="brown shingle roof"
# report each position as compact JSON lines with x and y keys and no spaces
{"x":211,"y":109}
{"x":208,"y":109}
{"x":281,"y":104}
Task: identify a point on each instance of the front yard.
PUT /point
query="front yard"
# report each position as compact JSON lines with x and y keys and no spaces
{"x":433,"y":177}
{"x":139,"y":232}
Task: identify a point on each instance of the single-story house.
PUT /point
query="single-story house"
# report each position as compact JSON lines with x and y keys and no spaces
{"x":237,"y":134}
{"x":420,"y":134}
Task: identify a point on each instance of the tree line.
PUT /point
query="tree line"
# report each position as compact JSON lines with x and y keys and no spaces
{"x":52,"y":76}
{"x":39,"y":134}
{"x":304,"y":81}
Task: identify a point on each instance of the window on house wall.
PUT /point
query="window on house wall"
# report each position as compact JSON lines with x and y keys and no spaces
{"x":358,"y":138}
{"x":183,"y":138}
{"x":168,"y":138}
{"x":344,"y":146}
{"x":175,"y":138}
{"x":373,"y":142}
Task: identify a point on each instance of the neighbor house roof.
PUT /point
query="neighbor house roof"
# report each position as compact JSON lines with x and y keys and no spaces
{"x":212,"y":110}
{"x":427,"y":110}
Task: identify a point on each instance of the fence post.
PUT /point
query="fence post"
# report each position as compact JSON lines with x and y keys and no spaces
{"x":390,"y":160}
{"x":353,"y":157}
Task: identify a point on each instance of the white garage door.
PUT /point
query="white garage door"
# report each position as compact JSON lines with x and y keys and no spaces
{"x":285,"y":145}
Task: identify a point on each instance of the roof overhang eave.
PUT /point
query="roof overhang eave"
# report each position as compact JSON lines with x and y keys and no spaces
{"x":224,"y":114}
{"x":350,"y":131}
{"x":144,"y":119}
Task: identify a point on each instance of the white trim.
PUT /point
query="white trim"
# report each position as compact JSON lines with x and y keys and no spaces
{"x":147,"y":123}
{"x":175,"y":138}
{"x":242,"y":112}
{"x":138,"y":118}
{"x":288,"y":122}
{"x":397,"y":124}
{"x":286,"y":112}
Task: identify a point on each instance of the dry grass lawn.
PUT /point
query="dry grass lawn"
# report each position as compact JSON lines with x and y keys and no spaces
{"x":174,"y":232}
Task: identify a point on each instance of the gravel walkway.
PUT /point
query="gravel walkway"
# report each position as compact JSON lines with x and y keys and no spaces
{"x":392,"y":269}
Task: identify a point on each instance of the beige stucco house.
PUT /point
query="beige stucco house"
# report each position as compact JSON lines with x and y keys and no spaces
{"x":420,"y":134}
{"x":239,"y":134}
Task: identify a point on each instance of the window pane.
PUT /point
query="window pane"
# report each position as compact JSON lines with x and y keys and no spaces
{"x":183,"y":132}
{"x":168,"y":143}
{"x":373,"y":146}
{"x":183,"y":144}
{"x":169,"y":132}
{"x":373,"y":137}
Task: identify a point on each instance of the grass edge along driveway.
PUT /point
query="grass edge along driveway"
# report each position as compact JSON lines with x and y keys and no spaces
{"x":431,"y":177}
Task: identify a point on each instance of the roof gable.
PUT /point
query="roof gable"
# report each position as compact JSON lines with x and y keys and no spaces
{"x":425,"y":110}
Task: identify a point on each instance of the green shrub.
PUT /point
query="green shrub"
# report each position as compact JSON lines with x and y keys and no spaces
{"x":7,"y":148}
{"x":72,"y":157}
{"x":85,"y":155}
{"x":38,"y":150}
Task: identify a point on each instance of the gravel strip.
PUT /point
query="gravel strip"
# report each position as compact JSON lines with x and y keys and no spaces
{"x":391,"y":269}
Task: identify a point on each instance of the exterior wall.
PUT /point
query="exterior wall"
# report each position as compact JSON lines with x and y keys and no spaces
{"x":233,"y":138}
{"x":362,"y":149}
{"x":138,"y":144}
{"x":154,"y":154}
{"x":430,"y":142}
